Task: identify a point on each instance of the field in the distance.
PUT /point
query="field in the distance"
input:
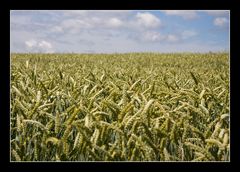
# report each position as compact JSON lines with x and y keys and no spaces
{"x":120,"y":107}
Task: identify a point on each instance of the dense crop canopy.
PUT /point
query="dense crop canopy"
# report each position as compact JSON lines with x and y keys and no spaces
{"x":120,"y":107}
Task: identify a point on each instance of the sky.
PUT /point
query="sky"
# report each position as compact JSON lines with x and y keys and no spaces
{"x":118,"y":31}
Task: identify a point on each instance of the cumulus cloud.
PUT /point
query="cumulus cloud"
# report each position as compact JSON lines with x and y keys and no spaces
{"x":185,"y":14}
{"x":39,"y":46}
{"x":90,"y":13}
{"x":85,"y":19}
{"x":220,"y":21}
{"x":93,"y":20}
{"x":114,"y":22}
{"x":45,"y":44}
{"x":148,"y":20}
{"x":76,"y":25}
{"x":153,"y":36}
{"x":31,"y":43}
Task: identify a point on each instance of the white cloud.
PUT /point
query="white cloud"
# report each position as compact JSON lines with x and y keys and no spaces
{"x":94,"y":20}
{"x":220,"y":21}
{"x":45,"y":44}
{"x":148,"y":20}
{"x":123,"y":14}
{"x":31,"y":43}
{"x":39,"y":46}
{"x":88,"y":14}
{"x":57,"y":29}
{"x":153,"y":36}
{"x":217,"y":12}
{"x":76,"y":25}
{"x":188,"y":33}
{"x":114,"y":22}
{"x":76,"y":22}
{"x":185,"y":14}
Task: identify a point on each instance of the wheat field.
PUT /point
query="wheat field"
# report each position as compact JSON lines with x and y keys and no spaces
{"x":120,"y":107}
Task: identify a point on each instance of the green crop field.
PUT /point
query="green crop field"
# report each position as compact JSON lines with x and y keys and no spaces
{"x":120,"y":107}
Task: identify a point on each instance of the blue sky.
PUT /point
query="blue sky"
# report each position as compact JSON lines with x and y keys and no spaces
{"x":89,"y":31}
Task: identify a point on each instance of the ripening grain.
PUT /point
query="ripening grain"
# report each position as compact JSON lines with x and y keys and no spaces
{"x":120,"y":107}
